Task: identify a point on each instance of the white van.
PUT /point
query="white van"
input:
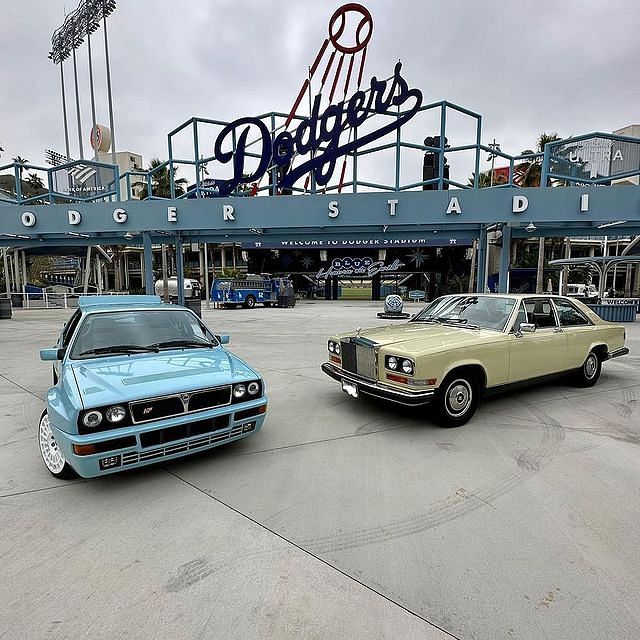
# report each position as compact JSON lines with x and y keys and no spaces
{"x":191,"y":287}
{"x":582,"y":291}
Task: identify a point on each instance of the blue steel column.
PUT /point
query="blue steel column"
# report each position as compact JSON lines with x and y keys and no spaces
{"x":505,"y":256}
{"x":148,"y":263}
{"x":481,"y":281}
{"x":443,"y":128}
{"x":179,"y":269}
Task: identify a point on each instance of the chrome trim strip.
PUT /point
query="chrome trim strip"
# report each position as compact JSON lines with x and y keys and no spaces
{"x":623,"y":351}
{"x":378,"y":390}
{"x":135,"y":457}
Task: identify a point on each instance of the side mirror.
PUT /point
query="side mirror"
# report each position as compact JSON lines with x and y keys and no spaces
{"x":47,"y":355}
{"x":223,"y":339}
{"x":526,"y":327}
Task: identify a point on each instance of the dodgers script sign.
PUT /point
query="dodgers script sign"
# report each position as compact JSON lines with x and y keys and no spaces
{"x":326,"y":134}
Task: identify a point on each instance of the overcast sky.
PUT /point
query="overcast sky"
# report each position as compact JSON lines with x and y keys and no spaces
{"x":568,"y":66}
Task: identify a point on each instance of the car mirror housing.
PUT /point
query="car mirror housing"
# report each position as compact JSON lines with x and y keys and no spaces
{"x":223,"y":339}
{"x":526,"y":327}
{"x":47,"y":355}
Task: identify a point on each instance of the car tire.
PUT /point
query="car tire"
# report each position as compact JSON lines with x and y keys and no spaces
{"x":250,"y":302}
{"x":589,"y":372}
{"x":52,"y":457}
{"x":456,"y":399}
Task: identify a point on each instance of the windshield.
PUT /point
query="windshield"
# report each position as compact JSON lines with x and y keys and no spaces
{"x":483,"y":311}
{"x":139,"y":331}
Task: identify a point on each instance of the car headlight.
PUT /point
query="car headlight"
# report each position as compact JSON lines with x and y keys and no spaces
{"x":337,"y":347}
{"x":253,"y":388}
{"x":92,"y":419}
{"x":332,"y":346}
{"x":115,"y":414}
{"x":239,"y":390}
{"x":407,"y":366}
{"x":392,"y":363}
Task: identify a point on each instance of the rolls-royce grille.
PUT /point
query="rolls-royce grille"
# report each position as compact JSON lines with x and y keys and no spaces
{"x":179,"y":404}
{"x":348,"y":352}
{"x":358,"y":359}
{"x":134,"y":456}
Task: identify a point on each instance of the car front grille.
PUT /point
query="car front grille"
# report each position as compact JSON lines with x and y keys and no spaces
{"x":135,"y":457}
{"x":358,"y":359}
{"x":179,"y":404}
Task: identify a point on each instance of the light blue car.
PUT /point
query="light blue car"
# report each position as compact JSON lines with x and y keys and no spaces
{"x":137,"y":381}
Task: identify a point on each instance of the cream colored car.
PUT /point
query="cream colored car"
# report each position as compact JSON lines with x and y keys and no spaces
{"x":460,"y":346}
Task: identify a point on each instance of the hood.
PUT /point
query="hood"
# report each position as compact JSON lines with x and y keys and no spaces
{"x":123,"y":378}
{"x":419,"y":337}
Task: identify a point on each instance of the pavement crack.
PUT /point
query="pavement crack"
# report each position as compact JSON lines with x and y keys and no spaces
{"x":309,"y":553}
{"x":10,"y":381}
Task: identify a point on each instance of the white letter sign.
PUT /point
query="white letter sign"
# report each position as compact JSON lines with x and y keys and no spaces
{"x":227,"y":212}
{"x":392,"y":207}
{"x":74,"y":216}
{"x":454,"y":207}
{"x":120,"y":215}
{"x":334,"y":212}
{"x":172,"y":214}
{"x":584,"y":202}
{"x":520,"y":204}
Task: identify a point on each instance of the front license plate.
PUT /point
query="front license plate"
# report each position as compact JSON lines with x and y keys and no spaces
{"x":350,"y":388}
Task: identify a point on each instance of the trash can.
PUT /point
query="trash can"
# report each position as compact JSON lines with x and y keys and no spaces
{"x":287,"y":300}
{"x":5,"y":308}
{"x":16,"y":300}
{"x":195,"y":304}
{"x":615,"y":312}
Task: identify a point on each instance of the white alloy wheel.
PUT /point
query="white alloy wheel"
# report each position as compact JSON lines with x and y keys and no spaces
{"x":53,"y":458}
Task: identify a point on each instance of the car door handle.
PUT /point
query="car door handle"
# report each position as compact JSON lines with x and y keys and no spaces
{"x":558,"y":330}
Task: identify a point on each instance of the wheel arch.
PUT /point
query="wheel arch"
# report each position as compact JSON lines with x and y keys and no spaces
{"x":474,"y":368}
{"x":601,"y":350}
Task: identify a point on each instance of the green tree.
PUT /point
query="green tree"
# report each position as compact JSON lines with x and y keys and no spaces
{"x":529,"y":173}
{"x":161,"y":181}
{"x":35,"y":181}
{"x":20,"y":160}
{"x":484,"y":179}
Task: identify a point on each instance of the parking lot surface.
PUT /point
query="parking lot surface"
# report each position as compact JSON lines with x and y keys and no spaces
{"x":341,"y":519}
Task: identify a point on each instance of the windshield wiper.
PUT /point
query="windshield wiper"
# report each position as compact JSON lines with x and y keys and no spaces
{"x":457,"y":322}
{"x":168,"y":344}
{"x":425,"y":319}
{"x":120,"y":348}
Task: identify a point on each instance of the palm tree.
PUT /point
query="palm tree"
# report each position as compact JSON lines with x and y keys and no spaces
{"x":35,"y":181}
{"x":161,"y":181}
{"x":20,"y":160}
{"x":529,"y":173}
{"x":484,"y":179}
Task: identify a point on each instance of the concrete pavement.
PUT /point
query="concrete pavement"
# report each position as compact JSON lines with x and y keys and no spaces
{"x":341,"y":519}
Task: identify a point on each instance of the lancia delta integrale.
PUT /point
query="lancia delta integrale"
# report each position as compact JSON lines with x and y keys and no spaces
{"x":136,"y":381}
{"x":460,"y":346}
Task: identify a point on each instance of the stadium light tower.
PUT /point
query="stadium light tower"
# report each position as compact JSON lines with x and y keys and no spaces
{"x":64,"y":42}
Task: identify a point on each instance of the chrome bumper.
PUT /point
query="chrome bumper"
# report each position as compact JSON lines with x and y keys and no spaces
{"x":617,"y":353}
{"x":376,"y":390}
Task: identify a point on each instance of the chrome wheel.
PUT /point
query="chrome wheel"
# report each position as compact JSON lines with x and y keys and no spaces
{"x":591,"y":366}
{"x":459,"y":397}
{"x":51,"y":454}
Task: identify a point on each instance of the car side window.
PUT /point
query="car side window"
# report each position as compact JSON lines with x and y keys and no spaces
{"x":540,"y":312}
{"x":70,"y":328}
{"x":520,"y":318}
{"x":568,"y":314}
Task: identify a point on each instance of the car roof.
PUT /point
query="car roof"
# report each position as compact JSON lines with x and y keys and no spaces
{"x":517,"y":296}
{"x":112,"y":303}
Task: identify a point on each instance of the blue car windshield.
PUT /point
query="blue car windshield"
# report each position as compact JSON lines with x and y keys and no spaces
{"x":139,"y":331}
{"x":480,"y":311}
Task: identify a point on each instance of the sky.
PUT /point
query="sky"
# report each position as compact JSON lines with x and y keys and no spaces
{"x":569,"y":67}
